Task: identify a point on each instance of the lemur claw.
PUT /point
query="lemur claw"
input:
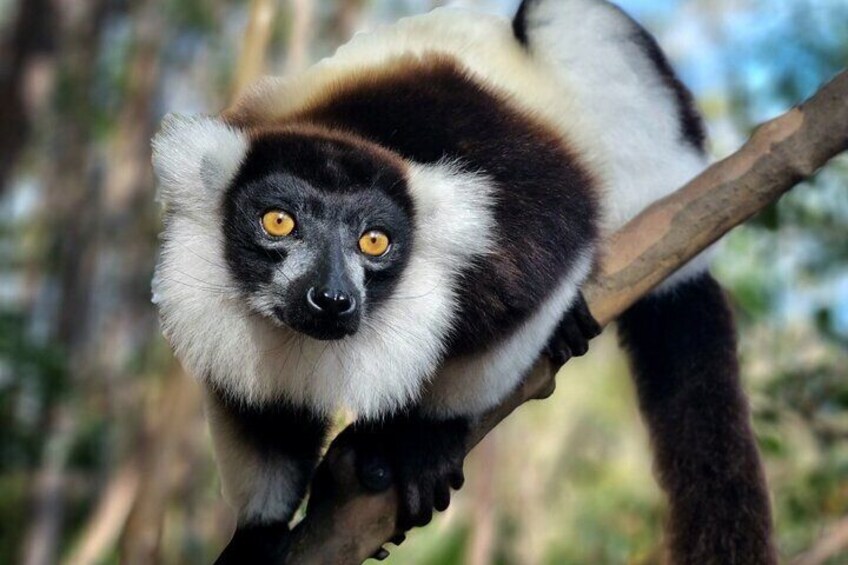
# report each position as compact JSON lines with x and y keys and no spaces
{"x":422,"y":457}
{"x":572,"y":335}
{"x":381,"y":554}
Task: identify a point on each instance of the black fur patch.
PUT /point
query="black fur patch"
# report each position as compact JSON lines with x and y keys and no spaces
{"x":277,"y":429}
{"x":335,"y":164}
{"x":327,"y":183}
{"x":519,"y":22}
{"x":682,"y":349}
{"x":258,"y":543}
{"x":429,"y":109}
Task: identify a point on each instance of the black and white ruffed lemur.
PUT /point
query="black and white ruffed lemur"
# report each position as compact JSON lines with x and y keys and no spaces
{"x":404,"y":228}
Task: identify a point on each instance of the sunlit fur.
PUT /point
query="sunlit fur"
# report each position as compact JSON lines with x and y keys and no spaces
{"x":576,"y":77}
{"x":195,"y":158}
{"x":632,"y":110}
{"x":240,"y":353}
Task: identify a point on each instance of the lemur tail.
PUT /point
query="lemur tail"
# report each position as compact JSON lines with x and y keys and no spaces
{"x":682,"y":347}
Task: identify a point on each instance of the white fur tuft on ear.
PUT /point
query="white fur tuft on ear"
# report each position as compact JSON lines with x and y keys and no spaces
{"x":195,"y":157}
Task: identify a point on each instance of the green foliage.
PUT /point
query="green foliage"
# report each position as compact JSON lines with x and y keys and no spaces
{"x":33,"y":376}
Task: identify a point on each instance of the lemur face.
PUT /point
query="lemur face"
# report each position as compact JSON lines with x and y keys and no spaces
{"x":316,"y":232}
{"x":276,"y":236}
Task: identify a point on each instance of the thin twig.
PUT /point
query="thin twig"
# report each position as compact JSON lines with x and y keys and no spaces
{"x":833,"y":543}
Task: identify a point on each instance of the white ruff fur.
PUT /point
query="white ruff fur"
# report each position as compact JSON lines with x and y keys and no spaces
{"x":380,"y":368}
{"x":195,"y":158}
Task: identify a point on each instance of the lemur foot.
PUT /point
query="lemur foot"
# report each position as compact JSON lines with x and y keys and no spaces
{"x":382,"y":554}
{"x":572,"y":335}
{"x":268,"y":543}
{"x":422,"y":457}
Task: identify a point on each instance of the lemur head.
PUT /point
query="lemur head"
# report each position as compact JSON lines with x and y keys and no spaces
{"x":316,"y":226}
{"x":317,"y":229}
{"x":310,"y":264}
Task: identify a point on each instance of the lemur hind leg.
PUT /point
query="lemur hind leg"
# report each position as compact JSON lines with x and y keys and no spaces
{"x":421,"y":456}
{"x":572,"y":335}
{"x":682,"y":348}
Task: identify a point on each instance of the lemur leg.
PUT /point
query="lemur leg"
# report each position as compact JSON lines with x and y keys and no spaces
{"x":266,"y":456}
{"x":419,"y":454}
{"x":682,"y":348}
{"x":575,"y":329}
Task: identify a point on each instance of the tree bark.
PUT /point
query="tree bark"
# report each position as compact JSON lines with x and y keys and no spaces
{"x":65,"y":181}
{"x":30,"y":42}
{"x":345,"y":525}
{"x":251,"y":61}
{"x":300,"y":35}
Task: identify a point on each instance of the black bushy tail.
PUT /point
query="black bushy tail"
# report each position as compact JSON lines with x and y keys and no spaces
{"x":682,"y":346}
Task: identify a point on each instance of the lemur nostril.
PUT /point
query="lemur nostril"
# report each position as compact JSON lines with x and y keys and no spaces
{"x":330,"y":301}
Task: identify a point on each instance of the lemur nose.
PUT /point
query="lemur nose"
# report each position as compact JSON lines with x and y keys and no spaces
{"x":330,"y":301}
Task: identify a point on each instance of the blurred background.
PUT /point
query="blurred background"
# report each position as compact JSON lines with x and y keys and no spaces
{"x":104,"y":455}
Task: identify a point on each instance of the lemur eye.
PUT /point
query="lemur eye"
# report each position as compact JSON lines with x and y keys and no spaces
{"x":277,"y":223}
{"x":374,"y":243}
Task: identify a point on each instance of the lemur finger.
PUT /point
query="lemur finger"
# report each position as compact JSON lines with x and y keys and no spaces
{"x":441,"y":496}
{"x":381,"y":554}
{"x":425,"y":508}
{"x":558,"y":347}
{"x":583,"y":316}
{"x":410,"y":502}
{"x":456,"y":479}
{"x":416,"y":507}
{"x":398,"y":539}
{"x":558,"y":352}
{"x":577,"y":342}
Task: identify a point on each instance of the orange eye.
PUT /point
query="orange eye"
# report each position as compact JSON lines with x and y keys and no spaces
{"x":374,"y":243}
{"x":277,"y":223}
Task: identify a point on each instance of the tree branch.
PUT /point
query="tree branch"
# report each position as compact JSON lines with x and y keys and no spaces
{"x":345,"y":525}
{"x":830,"y":545}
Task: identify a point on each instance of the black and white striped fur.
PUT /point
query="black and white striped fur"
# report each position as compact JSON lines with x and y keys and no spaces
{"x":497,"y":156}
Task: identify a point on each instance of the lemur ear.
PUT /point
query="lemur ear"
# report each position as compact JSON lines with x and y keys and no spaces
{"x":195,"y":157}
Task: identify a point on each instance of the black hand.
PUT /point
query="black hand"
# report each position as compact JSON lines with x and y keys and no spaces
{"x":421,"y":456}
{"x":575,"y":329}
{"x":266,"y":543}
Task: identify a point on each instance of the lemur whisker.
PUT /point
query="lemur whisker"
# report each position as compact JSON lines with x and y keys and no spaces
{"x":191,"y":250}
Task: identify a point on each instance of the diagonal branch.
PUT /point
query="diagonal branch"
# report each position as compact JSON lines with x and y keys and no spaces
{"x":346,"y":525}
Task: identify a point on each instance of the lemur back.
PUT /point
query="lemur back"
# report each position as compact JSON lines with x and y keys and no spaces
{"x":644,"y":117}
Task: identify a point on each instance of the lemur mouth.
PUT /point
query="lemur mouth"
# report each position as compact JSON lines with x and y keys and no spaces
{"x":320,"y":328}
